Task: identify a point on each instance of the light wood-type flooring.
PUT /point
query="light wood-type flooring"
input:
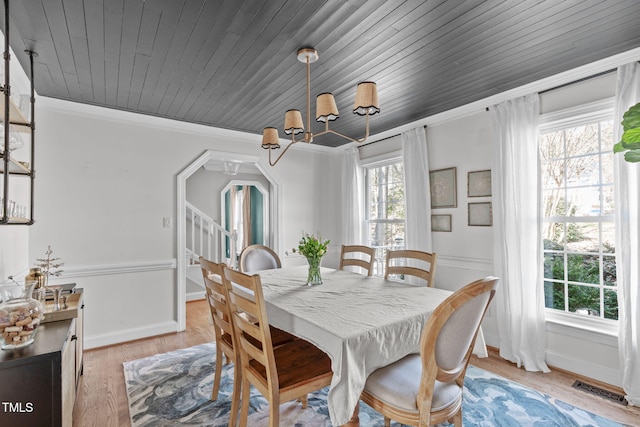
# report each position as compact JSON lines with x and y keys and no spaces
{"x":102,"y":398}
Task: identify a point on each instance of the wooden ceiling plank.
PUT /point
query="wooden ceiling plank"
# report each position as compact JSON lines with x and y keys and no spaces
{"x":113,"y":11}
{"x":60,"y":36}
{"x":185,"y":29}
{"x":94,"y":16}
{"x":170,"y":15}
{"x":77,"y":29}
{"x":130,"y":28}
{"x":149,"y":25}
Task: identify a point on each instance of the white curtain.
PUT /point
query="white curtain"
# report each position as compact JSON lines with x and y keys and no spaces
{"x":517,"y":222}
{"x":353,"y":199}
{"x":417,"y":233}
{"x":627,"y":240}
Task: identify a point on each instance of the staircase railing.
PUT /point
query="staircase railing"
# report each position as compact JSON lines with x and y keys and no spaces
{"x":207,"y":238}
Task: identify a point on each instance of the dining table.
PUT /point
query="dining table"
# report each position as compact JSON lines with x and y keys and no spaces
{"x":363,"y":323}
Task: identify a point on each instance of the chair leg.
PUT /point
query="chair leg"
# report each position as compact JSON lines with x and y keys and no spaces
{"x":235,"y":396}
{"x":387,"y":422}
{"x":244,"y":412}
{"x":305,"y":400}
{"x":274,"y":412}
{"x":457,"y":419}
{"x":217,"y":375}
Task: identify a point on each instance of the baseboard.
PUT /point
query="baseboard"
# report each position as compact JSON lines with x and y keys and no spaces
{"x":130,"y":335}
{"x":585,"y":369}
{"x":194,"y":296}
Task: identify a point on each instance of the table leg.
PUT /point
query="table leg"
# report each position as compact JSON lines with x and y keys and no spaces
{"x":355,"y":419}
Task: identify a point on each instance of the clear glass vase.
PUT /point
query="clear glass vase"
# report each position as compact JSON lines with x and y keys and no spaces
{"x":314,"y":277}
{"x":20,"y":315}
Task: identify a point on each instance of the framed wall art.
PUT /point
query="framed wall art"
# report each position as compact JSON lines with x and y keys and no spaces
{"x":443,"y":188}
{"x":440,"y":222}
{"x":479,"y":183}
{"x":480,"y":214}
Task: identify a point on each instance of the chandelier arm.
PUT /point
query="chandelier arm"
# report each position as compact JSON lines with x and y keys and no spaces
{"x":281,"y":154}
{"x":363,"y":139}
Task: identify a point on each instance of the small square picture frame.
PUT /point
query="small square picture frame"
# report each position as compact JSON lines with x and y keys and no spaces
{"x":479,"y":183}
{"x":441,"y":223}
{"x":443,"y":188}
{"x":480,"y":214}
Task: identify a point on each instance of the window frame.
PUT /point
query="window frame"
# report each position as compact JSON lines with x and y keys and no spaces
{"x":554,"y":121}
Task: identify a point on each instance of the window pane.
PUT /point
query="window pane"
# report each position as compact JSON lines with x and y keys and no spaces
{"x":584,"y":300}
{"x":583,"y":201}
{"x":583,"y":268}
{"x":608,"y":203}
{"x":554,"y":174}
{"x":608,"y":237}
{"x":583,"y":237}
{"x":609,"y":270}
{"x":554,"y":295}
{"x":554,"y":266}
{"x":582,"y":140}
{"x":610,"y":304}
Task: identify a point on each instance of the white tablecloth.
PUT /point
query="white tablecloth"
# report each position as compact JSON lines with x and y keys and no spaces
{"x":362,"y":323}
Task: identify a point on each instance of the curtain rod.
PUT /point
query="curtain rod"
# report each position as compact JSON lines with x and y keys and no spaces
{"x":388,"y":137}
{"x":584,"y":79}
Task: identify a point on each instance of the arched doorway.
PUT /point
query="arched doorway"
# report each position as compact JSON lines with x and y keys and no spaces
{"x":181,"y":238}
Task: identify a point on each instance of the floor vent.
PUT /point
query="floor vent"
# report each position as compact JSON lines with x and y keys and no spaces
{"x":606,"y":394}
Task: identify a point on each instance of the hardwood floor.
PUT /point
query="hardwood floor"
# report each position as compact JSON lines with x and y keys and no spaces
{"x":102,"y":398}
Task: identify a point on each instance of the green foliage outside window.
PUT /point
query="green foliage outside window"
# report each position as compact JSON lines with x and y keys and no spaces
{"x":581,"y":269}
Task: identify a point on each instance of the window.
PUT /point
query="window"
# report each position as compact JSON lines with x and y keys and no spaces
{"x":578,"y":213}
{"x":384,"y":209}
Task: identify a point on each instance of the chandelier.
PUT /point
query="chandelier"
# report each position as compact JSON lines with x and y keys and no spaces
{"x":366,"y":104}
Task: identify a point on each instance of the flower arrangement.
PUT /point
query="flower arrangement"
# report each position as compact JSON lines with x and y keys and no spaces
{"x":314,"y":249}
{"x":312,"y":246}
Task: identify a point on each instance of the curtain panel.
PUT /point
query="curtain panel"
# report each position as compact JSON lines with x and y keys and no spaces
{"x":417,"y":194}
{"x":627,"y":201}
{"x":353,"y":199}
{"x":517,"y":248}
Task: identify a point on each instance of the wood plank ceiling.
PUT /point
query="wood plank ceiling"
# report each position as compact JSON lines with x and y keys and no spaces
{"x":232,"y":64}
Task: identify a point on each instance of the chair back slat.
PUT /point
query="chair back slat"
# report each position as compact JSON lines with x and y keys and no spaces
{"x":407,"y":262}
{"x":357,"y":256}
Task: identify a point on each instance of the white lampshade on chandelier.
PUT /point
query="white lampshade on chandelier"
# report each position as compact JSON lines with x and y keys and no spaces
{"x":366,"y":104}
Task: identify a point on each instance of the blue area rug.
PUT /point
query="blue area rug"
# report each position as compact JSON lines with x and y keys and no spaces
{"x":174,"y":389}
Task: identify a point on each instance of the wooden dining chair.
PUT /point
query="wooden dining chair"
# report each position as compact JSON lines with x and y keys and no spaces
{"x":426,"y":389}
{"x":216,"y":295}
{"x":258,"y":257}
{"x":280,"y":373}
{"x":408,"y":262}
{"x":358,"y":256}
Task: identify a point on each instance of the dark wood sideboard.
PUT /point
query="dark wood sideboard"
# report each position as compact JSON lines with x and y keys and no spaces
{"x":38,"y":383}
